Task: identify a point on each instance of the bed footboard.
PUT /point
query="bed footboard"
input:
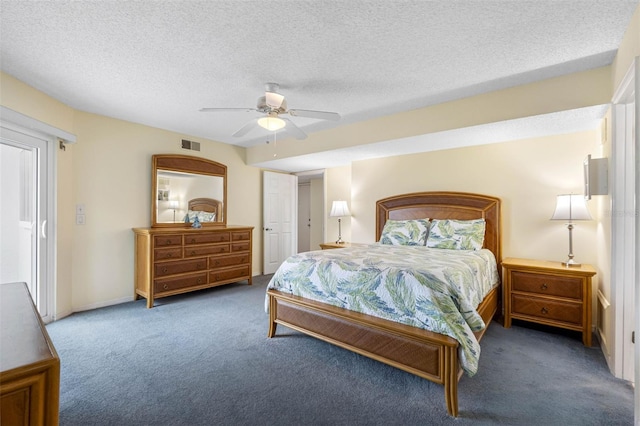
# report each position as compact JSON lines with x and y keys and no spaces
{"x":426,"y":354}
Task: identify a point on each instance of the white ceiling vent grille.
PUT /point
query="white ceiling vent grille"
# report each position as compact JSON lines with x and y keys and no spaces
{"x":193,"y":146}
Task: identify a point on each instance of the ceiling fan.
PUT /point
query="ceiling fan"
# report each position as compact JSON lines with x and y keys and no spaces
{"x":273,"y":105}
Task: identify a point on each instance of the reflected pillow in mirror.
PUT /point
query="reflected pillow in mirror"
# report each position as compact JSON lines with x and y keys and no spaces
{"x":202,"y":216}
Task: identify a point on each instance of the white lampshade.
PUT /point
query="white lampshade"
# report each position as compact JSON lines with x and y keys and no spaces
{"x":339,"y":208}
{"x":174,"y":204}
{"x":571,"y":207}
{"x":271,"y":123}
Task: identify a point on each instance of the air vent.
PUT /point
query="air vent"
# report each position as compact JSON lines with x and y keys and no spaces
{"x":193,"y":146}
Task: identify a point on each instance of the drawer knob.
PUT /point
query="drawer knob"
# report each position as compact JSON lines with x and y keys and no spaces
{"x":193,"y":240}
{"x":168,"y":242}
{"x":217,"y":262}
{"x":165,"y":270}
{"x":168,"y":254}
{"x":544,"y":311}
{"x":199,"y":280}
{"x":166,"y":287}
{"x":543,"y":286}
{"x":193,"y":253}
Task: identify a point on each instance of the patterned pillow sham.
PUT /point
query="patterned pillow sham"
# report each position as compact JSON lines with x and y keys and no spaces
{"x":456,"y":234}
{"x":405,"y":232}
{"x":202,"y":216}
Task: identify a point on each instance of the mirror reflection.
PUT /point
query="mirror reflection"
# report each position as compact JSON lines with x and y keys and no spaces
{"x":181,"y":197}
{"x":186,"y":188}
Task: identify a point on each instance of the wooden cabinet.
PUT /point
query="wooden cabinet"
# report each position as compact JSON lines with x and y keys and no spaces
{"x":177,"y":260}
{"x":548,"y":293}
{"x":30,"y":367}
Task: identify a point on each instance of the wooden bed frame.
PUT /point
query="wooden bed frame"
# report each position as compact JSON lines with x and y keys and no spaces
{"x":424,"y":353}
{"x":208,"y":205}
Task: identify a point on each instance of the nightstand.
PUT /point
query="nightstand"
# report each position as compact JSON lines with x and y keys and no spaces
{"x":548,"y":293}
{"x":327,"y":246}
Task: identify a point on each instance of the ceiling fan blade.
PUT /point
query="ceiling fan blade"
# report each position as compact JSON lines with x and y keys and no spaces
{"x":323,"y":115}
{"x":246,"y":128}
{"x":227,"y":109}
{"x":293,"y":129}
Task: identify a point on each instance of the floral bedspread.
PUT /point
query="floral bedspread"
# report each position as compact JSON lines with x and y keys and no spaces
{"x":435,"y":289}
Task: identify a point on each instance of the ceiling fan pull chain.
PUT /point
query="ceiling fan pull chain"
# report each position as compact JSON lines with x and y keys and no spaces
{"x":275,"y":143}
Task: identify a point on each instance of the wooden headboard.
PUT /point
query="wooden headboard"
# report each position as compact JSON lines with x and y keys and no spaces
{"x":445,"y":205}
{"x":208,"y":205}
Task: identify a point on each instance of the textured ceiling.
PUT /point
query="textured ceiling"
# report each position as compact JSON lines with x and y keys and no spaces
{"x":158,"y":62}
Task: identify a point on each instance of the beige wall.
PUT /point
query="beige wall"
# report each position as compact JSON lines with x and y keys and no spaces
{"x":572,"y":91}
{"x":338,"y":184}
{"x":526,"y":175}
{"x":109,"y":171}
{"x":112,"y":178}
{"x":629,"y":49}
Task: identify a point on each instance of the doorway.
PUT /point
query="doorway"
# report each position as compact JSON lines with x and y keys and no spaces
{"x":311,"y":210}
{"x":26,"y":207}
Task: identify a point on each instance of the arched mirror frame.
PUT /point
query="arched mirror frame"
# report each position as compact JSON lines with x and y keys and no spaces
{"x":190,"y":165}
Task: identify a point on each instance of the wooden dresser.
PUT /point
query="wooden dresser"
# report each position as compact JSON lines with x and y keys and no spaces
{"x":548,"y":293}
{"x":178,"y":260}
{"x":29,"y":364}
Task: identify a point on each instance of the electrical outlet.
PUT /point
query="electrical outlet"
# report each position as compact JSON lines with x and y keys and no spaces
{"x":80,"y":219}
{"x":79,"y":209}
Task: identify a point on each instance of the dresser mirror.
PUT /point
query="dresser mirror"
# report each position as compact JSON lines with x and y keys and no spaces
{"x":185,"y":188}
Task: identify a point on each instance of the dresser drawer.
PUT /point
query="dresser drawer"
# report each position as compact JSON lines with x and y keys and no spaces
{"x":180,"y":267}
{"x":541,"y":308}
{"x":181,"y":259}
{"x":168,"y":253}
{"x":222,"y":261}
{"x":167,"y":240}
{"x":169,"y":284}
{"x":241,"y":236}
{"x":212,"y":237}
{"x":228,"y":274}
{"x":551,"y":285}
{"x":192,"y":251}
{"x":244,"y":246}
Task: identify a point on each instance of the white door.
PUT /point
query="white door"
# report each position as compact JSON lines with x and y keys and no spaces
{"x":279,"y":211}
{"x":24,"y":211}
{"x":304,"y":217}
{"x":623,"y":174}
{"x":629,"y":224}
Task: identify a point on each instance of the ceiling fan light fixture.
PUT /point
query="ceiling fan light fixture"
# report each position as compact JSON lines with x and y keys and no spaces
{"x":271,"y":123}
{"x":274,"y":100}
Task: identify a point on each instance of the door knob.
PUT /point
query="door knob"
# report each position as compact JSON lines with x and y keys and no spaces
{"x":268,"y":229}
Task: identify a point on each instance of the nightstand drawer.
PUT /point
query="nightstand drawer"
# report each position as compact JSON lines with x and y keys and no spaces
{"x":550,"y":285}
{"x":541,"y":308}
{"x":548,"y":293}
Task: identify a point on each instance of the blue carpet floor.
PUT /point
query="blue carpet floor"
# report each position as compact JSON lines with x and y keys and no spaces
{"x":204,"y":359}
